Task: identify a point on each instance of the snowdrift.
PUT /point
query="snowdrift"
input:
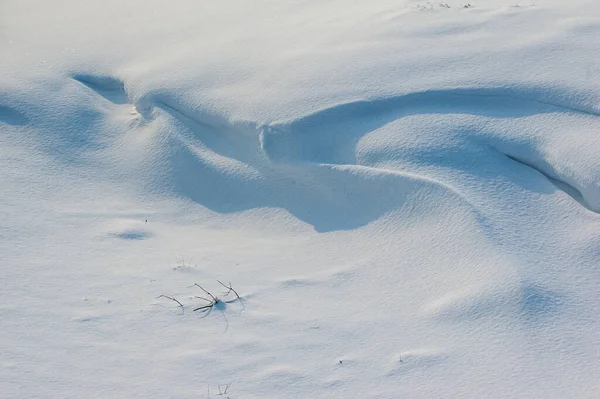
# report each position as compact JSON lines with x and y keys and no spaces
{"x":404,"y":194}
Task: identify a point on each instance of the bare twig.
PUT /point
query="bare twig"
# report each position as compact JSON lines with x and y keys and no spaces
{"x":200,"y":297}
{"x":214,"y":298}
{"x":205,"y":307}
{"x":171,"y":298}
{"x":230,"y":290}
{"x":213,"y":302}
{"x":226,"y":388}
{"x":210,"y":306}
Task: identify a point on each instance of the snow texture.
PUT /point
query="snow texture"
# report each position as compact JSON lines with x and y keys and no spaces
{"x":405,"y":195}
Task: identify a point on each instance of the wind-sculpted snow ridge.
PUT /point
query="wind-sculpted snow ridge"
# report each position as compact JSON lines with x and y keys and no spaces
{"x":547,"y":171}
{"x":331,"y":135}
{"x":319,"y":136}
{"x":525,"y":300}
{"x":309,"y":166}
{"x":226,"y":169}
{"x":108,"y":87}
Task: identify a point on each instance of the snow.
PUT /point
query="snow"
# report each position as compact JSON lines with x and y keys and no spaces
{"x":405,"y":195}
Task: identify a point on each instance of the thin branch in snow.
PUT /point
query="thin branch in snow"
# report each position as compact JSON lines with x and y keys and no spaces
{"x":230,"y":290}
{"x":171,"y":298}
{"x":214,"y":298}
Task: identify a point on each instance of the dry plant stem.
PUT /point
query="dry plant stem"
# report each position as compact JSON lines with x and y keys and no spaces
{"x":214,"y":298}
{"x":230,"y":290}
{"x":201,"y":297}
{"x":226,"y":388}
{"x":171,"y":298}
{"x":211,"y":303}
{"x":205,"y":307}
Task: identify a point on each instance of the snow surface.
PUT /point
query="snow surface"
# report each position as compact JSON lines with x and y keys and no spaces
{"x":405,"y":195}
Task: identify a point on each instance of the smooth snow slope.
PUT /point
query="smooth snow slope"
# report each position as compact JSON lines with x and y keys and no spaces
{"x":405,"y":194}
